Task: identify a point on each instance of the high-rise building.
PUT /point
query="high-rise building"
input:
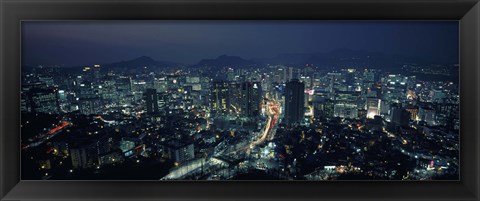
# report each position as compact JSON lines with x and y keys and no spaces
{"x":400,"y":116}
{"x":124,"y":90}
{"x":294,"y":101}
{"x":151,"y":100}
{"x":322,"y":107}
{"x":251,"y":99}
{"x":235,"y":97}
{"x":335,"y":81}
{"x":219,"y":99}
{"x":96,"y":71}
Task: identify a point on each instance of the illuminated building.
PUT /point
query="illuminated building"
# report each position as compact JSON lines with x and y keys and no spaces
{"x":251,"y":98}
{"x":107,"y":91}
{"x":447,"y":114}
{"x":413,"y":112}
{"x":385,"y":108}
{"x":427,"y":115}
{"x":42,"y":100}
{"x":61,"y":147}
{"x":138,"y":88}
{"x":335,"y":80}
{"x":90,"y":106}
{"x":437,"y":96}
{"x":111,"y":158}
{"x":87,"y":69}
{"x":283,"y":75}
{"x":84,"y":157}
{"x":373,"y":107}
{"x":124,"y":90}
{"x":160,"y":84}
{"x":307,"y":80}
{"x":346,"y":97}
{"x":126,"y":146}
{"x":235,"y":97}
{"x":96,"y":71}
{"x":179,"y":152}
{"x":219,"y":99}
{"x":192,"y":79}
{"x":86,"y":90}
{"x":151,"y":101}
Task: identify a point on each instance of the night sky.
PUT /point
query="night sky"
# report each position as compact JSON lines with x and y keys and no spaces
{"x":72,"y":43}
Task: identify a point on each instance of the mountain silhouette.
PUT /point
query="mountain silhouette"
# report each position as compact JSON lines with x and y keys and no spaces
{"x":143,"y":61}
{"x":225,"y":60}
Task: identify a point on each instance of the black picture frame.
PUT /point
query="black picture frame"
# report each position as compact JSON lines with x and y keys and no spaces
{"x":12,"y":12}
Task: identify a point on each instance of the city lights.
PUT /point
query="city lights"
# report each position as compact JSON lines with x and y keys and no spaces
{"x":308,"y":113}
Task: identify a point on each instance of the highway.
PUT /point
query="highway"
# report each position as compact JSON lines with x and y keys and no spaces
{"x":41,"y":138}
{"x":193,"y":166}
{"x":273,"y":115}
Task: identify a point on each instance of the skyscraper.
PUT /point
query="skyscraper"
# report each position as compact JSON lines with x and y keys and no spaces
{"x":96,"y":71}
{"x":251,"y":98}
{"x":219,"y":99}
{"x":151,"y":100}
{"x":400,"y":116}
{"x":294,"y":98}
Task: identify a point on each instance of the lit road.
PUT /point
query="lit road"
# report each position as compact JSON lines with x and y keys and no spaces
{"x":194,"y":166}
{"x":264,"y":135}
{"x":273,"y":114}
{"x":41,"y":138}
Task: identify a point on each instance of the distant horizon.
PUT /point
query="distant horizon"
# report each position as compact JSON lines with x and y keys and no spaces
{"x":218,"y":56}
{"x":78,"y":43}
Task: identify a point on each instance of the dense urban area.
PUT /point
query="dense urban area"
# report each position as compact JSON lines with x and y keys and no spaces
{"x":239,"y":122}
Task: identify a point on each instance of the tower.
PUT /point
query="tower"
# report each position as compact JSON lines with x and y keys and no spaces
{"x":151,"y":100}
{"x":294,"y":101}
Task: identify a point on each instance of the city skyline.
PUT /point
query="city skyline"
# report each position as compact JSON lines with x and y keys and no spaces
{"x":343,"y":114}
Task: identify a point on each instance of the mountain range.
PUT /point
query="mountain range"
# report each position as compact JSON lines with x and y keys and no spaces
{"x":339,"y":58}
{"x":142,"y":61}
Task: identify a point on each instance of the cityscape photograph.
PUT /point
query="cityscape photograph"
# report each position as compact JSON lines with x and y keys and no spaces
{"x":240,"y":100}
